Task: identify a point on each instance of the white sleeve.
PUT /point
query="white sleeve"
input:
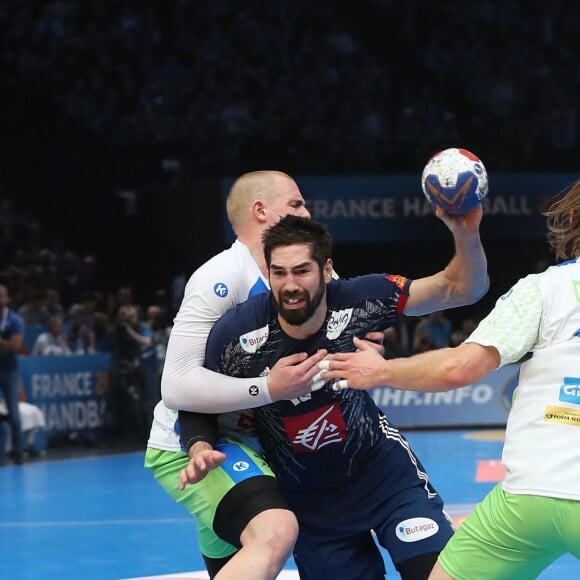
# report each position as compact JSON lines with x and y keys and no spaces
{"x":512,"y":326}
{"x":185,"y":383}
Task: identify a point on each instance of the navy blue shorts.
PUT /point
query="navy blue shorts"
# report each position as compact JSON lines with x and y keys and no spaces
{"x":392,"y":496}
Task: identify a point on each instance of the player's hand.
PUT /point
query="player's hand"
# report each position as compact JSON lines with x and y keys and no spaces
{"x":467,"y":223}
{"x":355,"y":370}
{"x":295,"y":375}
{"x":200,"y":464}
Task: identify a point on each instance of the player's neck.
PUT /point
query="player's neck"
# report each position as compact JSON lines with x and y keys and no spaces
{"x":258,"y":255}
{"x":256,"y":249}
{"x":309,"y":328}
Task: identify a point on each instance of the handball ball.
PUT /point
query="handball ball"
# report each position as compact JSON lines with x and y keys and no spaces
{"x":456,"y":180}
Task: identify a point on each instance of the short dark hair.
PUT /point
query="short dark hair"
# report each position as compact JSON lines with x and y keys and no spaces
{"x":294,"y":229}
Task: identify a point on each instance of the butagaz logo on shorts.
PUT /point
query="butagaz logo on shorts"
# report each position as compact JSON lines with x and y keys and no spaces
{"x":337,"y":322}
{"x":415,"y":529}
{"x":251,"y":341}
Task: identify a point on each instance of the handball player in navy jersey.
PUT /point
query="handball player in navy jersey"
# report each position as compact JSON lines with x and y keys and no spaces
{"x":346,"y":472}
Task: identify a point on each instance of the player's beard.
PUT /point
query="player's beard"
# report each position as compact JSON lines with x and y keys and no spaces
{"x":298,"y":316}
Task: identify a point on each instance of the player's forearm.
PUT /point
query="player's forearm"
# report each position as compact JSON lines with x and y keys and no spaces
{"x":204,"y":391}
{"x":440,"y":370}
{"x":466,"y":273}
{"x":186,"y":384}
{"x":197,"y":431}
{"x":430,"y":371}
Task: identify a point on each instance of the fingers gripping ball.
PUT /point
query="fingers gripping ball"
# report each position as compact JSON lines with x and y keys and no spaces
{"x":456,"y":180}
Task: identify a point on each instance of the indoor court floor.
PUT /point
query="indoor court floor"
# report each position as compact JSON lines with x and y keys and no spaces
{"x":103,"y":517}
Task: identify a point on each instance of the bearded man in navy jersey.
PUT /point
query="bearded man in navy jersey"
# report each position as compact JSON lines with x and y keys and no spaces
{"x":345,"y":470}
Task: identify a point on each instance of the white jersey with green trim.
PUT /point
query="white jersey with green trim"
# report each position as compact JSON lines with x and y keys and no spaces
{"x":541,"y":315}
{"x":225,"y":280}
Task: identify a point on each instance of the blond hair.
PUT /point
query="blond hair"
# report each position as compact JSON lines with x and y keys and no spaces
{"x":248,"y":188}
{"x":563,"y":221}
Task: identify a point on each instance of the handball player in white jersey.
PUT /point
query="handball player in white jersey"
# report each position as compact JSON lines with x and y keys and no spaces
{"x":533,"y":516}
{"x":249,"y":538}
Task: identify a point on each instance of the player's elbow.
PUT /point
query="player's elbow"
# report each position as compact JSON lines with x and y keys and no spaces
{"x":455,"y":377}
{"x":168,"y":391}
{"x":474,"y":293}
{"x":480,"y":290}
{"x":466,"y":364}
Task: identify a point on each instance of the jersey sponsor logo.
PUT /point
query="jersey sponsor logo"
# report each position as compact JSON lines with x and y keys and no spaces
{"x":337,"y":322}
{"x":241,"y":466}
{"x":416,"y":529}
{"x":398,"y":281}
{"x":507,"y":294}
{"x":570,"y":390}
{"x":562,"y":415}
{"x":251,"y":341}
{"x":220,"y":289}
{"x":313,"y":431}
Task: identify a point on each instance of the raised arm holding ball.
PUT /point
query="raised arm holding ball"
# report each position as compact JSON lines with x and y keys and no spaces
{"x":532,"y":517}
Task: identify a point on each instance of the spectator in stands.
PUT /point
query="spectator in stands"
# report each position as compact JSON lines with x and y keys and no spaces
{"x":133,"y":359}
{"x":433,"y":330}
{"x":53,"y":305}
{"x":152,"y":368}
{"x":81,"y":339}
{"x":421,"y":340}
{"x":159,"y":325}
{"x":123,"y":296}
{"x":83,"y":311}
{"x":11,"y":340}
{"x":53,"y":342}
{"x":467,"y":326}
{"x":103,"y":339}
{"x":33,"y":312}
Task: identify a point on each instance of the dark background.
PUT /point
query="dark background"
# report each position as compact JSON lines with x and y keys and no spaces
{"x":95,"y":96}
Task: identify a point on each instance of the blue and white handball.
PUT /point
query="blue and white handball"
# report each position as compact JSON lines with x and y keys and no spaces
{"x":456,"y":180}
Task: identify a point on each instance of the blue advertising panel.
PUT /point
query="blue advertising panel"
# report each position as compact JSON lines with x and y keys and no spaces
{"x":484,"y":403}
{"x":72,"y":391}
{"x":378,"y":208}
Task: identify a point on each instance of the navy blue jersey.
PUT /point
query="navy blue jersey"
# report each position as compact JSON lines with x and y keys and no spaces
{"x":323,"y":437}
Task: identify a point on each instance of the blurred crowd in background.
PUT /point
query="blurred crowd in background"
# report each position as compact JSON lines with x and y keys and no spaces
{"x":114,"y":87}
{"x":315,"y":86}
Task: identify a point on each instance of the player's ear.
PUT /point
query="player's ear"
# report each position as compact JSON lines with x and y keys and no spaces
{"x":327,"y":270}
{"x":259,"y":211}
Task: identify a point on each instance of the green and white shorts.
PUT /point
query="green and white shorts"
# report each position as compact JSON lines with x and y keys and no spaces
{"x":512,"y":536}
{"x":226,"y":499}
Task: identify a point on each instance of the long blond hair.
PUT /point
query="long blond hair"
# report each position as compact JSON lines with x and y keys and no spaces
{"x":563,"y":221}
